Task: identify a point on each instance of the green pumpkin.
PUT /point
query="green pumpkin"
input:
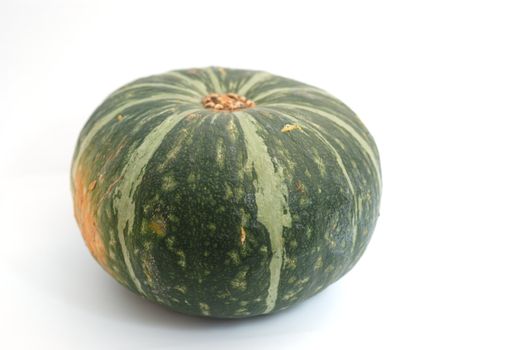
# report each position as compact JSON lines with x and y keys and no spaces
{"x":225,"y":193}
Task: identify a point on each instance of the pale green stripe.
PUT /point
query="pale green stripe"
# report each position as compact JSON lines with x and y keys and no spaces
{"x":253,"y":80}
{"x":194,"y":83}
{"x":131,"y":87}
{"x":271,"y":192}
{"x":291,"y":89}
{"x":364,"y":144}
{"x":314,"y":128}
{"x":357,"y":199}
{"x":132,"y":174}
{"x":216,"y":83}
{"x":102,"y":121}
{"x":355,"y":218}
{"x":356,"y":196}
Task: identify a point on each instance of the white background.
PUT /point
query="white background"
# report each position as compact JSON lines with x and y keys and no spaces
{"x":440,"y":86}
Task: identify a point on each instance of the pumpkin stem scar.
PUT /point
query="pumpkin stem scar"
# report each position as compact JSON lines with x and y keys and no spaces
{"x":227,"y":102}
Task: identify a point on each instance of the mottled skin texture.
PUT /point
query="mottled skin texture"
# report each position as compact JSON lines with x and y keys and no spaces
{"x":215,"y":215}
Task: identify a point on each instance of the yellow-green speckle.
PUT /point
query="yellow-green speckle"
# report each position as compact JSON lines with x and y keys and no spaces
{"x":211,"y":227}
{"x":319,"y":162}
{"x":205,"y":309}
{"x":241,"y":312}
{"x":291,"y":295}
{"x":173,"y":218}
{"x":224,"y":294}
{"x":318,"y":263}
{"x":181,"y":257}
{"x":191,"y":178}
{"x":239,"y":194}
{"x":308,"y":233}
{"x":169,"y":241}
{"x":303,"y":281}
{"x":240,"y":282}
{"x":234,"y":256}
{"x":330,"y":268}
{"x":228,"y":192}
{"x":168,"y":183}
{"x":304,"y":201}
{"x":291,"y":263}
{"x":180,"y":288}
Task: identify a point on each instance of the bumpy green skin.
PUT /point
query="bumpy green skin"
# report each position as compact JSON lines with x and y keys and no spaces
{"x":225,"y":214}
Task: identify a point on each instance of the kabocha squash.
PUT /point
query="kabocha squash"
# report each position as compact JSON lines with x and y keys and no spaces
{"x":225,"y":193}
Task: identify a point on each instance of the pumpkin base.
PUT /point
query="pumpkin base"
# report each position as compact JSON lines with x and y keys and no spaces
{"x":227,"y":102}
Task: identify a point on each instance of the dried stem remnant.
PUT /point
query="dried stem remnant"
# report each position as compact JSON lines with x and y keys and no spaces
{"x":226,"y":102}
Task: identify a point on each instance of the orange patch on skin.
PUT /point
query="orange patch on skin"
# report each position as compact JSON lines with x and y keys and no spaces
{"x":113,"y":155}
{"x":85,"y":214}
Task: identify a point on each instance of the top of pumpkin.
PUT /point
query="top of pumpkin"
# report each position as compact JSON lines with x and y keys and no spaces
{"x":229,"y":102}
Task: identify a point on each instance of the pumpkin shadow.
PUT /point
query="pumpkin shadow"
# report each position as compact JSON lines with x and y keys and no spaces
{"x":126,"y":306}
{"x":85,"y":286}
